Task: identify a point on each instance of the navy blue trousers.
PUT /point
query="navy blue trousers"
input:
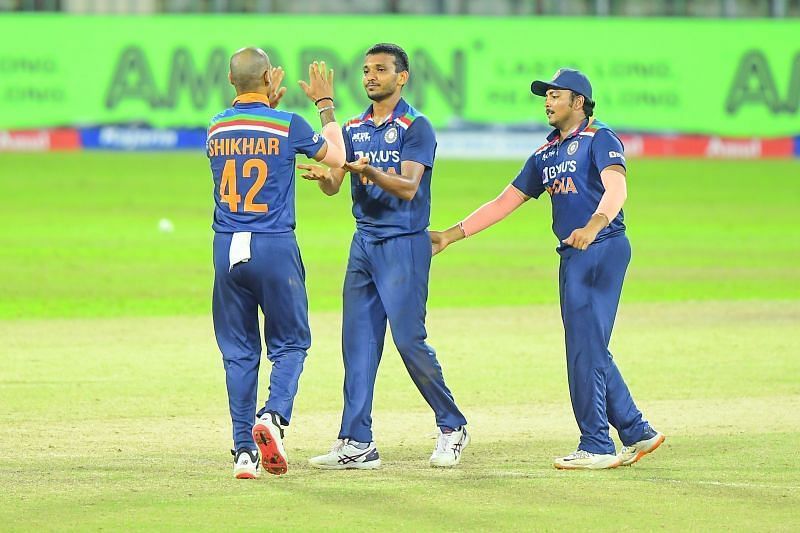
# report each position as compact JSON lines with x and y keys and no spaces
{"x":590,"y":284}
{"x":274,"y":281}
{"x":389,"y":280}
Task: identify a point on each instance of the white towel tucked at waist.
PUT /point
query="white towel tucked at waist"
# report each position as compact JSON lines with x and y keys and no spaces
{"x":240,"y":249}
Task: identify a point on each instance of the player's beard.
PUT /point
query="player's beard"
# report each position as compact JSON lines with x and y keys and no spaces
{"x":381,"y":95}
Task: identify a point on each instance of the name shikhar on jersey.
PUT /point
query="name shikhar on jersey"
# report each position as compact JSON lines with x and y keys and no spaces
{"x":244,"y":146}
{"x":251,"y":149}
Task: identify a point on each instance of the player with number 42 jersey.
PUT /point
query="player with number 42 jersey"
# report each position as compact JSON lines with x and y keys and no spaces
{"x":246,"y":143}
{"x":251,"y":148}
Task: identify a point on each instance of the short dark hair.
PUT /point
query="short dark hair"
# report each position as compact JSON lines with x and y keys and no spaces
{"x":400,"y":55}
{"x":588,"y":104}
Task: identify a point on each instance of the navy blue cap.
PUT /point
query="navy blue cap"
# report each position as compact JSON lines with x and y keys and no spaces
{"x":566,"y":78}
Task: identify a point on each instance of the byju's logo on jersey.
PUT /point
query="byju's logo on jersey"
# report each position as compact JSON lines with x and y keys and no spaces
{"x":390,"y":136}
{"x":379,"y":156}
{"x":572,"y":148}
{"x":552,"y":172}
{"x":361,"y":136}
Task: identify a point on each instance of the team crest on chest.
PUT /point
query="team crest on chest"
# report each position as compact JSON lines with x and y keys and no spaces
{"x":391,"y":135}
{"x":572,"y":148}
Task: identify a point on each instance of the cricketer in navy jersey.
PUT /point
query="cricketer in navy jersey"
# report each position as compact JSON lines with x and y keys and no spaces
{"x":405,"y":136}
{"x":582,"y":168}
{"x":252,"y":131}
{"x":251,"y":148}
{"x":391,"y":148}
{"x":569,"y":171}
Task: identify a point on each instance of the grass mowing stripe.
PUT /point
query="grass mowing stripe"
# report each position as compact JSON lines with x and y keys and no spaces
{"x":91,"y":246}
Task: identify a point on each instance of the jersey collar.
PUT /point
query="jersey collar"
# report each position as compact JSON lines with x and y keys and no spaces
{"x":251,"y":98}
{"x":554,"y":135}
{"x":399,"y":110}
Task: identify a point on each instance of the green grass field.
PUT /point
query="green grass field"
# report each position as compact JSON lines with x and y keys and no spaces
{"x":114,"y":413}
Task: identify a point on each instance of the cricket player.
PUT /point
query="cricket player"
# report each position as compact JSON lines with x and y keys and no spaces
{"x":391,"y":147}
{"x":582,"y":168}
{"x":251,"y":147}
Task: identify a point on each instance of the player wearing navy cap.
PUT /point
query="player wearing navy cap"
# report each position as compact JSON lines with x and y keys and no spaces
{"x":582,"y":168}
{"x":251,"y":148}
{"x":391,"y":147}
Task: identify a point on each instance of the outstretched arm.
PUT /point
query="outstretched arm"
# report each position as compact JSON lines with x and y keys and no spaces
{"x":328,"y":179}
{"x":486,"y":215}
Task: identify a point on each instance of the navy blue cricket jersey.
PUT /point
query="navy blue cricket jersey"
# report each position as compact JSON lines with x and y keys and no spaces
{"x":252,"y":148}
{"x":406,"y":136}
{"x":569,"y":171}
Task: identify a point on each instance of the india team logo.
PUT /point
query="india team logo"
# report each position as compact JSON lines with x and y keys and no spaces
{"x":572,"y":148}
{"x":390,"y":136}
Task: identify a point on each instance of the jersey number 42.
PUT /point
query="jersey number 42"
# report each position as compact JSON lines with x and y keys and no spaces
{"x":228,"y":192}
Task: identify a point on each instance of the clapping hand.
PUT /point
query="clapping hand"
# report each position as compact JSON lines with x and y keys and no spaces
{"x":320,"y":82}
{"x":276,"y":92}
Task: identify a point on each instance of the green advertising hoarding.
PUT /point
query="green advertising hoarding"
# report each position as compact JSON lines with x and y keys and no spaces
{"x":724,"y":77}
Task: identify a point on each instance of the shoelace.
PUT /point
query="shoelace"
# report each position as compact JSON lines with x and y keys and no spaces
{"x":443,"y":444}
{"x":627,"y":449}
{"x":580,"y":454}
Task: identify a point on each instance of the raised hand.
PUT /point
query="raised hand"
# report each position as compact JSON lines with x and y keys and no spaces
{"x":320,"y":82}
{"x":276,"y":92}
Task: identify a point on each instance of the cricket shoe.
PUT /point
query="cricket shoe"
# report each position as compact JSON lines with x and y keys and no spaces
{"x":345,"y":455}
{"x":583,"y":460}
{"x":449,"y":447}
{"x":651,"y":440}
{"x":268,"y":434}
{"x":246,"y":464}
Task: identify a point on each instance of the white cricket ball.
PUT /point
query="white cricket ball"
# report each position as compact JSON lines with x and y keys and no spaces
{"x":165,"y":225}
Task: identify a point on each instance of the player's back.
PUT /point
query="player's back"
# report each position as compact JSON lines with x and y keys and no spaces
{"x":251,"y":148}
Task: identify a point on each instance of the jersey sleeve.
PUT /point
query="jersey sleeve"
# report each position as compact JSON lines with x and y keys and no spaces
{"x":302,"y":137}
{"x":607,"y":150}
{"x":419,"y":143}
{"x":529,"y":179}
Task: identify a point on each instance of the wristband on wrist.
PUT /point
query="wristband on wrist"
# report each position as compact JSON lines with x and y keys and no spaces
{"x":318,"y":100}
{"x":326,"y":108}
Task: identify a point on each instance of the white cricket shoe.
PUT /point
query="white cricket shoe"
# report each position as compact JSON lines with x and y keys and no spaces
{"x":246,"y":464}
{"x":630,"y":454}
{"x":583,"y":460}
{"x":449,"y":447}
{"x":345,"y":455}
{"x":268,"y":434}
